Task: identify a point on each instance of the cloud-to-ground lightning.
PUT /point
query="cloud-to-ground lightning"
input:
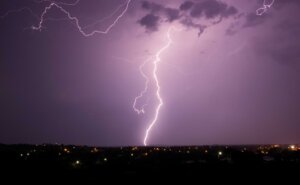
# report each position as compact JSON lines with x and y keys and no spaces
{"x":266,"y":5}
{"x":155,"y":62}
{"x":76,"y":20}
{"x":155,"y":77}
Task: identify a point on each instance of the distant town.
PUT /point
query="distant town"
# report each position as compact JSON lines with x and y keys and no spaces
{"x":69,"y":163}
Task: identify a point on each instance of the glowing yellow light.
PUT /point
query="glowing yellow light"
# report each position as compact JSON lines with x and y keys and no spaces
{"x":292,"y":147}
{"x":131,"y":154}
{"x":77,"y":162}
{"x":220,"y":153}
{"x":105,"y":159}
{"x":94,"y":150}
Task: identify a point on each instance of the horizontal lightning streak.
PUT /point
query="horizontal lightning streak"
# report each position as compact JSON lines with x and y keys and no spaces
{"x":60,"y":3}
{"x":19,"y":10}
{"x":104,"y":18}
{"x":76,"y":20}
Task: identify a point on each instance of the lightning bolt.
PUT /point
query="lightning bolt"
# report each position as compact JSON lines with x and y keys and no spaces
{"x":76,"y":20}
{"x":105,"y":18}
{"x":32,"y":13}
{"x":60,"y":3}
{"x":19,"y":10}
{"x":143,"y":92}
{"x":156,"y":61}
{"x":154,"y":75}
{"x":266,"y":5}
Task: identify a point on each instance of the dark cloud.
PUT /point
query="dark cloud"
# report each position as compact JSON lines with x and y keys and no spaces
{"x":211,"y":9}
{"x":244,"y":20}
{"x":186,"y":5}
{"x":153,"y":7}
{"x":150,"y":21}
{"x":190,"y":24}
{"x":172,"y":14}
{"x":230,"y":11}
{"x":187,"y":13}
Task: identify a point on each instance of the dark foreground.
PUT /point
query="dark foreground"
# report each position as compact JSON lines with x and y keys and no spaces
{"x":39,"y":164}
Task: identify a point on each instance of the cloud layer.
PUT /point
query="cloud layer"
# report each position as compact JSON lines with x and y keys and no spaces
{"x":188,"y":13}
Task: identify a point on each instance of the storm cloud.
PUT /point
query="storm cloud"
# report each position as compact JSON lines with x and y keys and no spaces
{"x":188,"y":13}
{"x":150,"y":21}
{"x":211,"y":9}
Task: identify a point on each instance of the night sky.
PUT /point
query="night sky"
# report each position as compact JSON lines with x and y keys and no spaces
{"x":229,"y":77}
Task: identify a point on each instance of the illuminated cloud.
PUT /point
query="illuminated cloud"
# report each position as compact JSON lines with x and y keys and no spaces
{"x":211,"y":9}
{"x":188,"y":13}
{"x":150,"y":22}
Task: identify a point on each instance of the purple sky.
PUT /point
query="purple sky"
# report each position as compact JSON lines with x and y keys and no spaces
{"x":230,"y":76}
